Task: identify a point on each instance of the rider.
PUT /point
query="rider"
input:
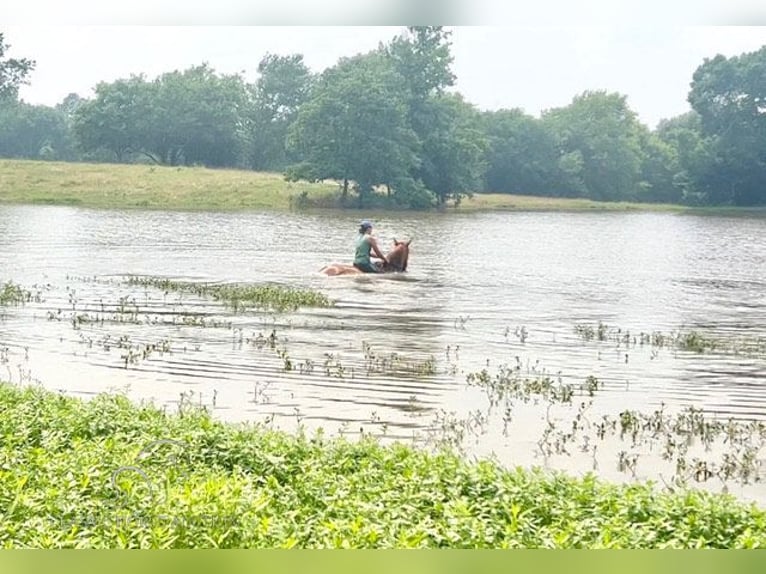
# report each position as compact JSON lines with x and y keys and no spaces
{"x":364,"y":243}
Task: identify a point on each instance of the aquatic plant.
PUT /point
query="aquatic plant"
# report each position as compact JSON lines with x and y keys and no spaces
{"x":14,"y":294}
{"x":241,"y":297}
{"x":693,"y":340}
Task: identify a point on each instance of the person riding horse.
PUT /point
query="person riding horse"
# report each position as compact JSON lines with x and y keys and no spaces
{"x":394,"y":262}
{"x":365,"y":243}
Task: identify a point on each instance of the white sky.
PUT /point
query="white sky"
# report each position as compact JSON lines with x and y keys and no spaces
{"x":536,"y":63}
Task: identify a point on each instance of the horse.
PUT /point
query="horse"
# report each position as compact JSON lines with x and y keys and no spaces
{"x":397,"y":262}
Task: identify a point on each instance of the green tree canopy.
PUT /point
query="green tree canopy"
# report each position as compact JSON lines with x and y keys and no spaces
{"x":13,"y":72}
{"x":197,"y":118}
{"x":453,"y":148}
{"x":729,"y":94}
{"x":522,"y":155}
{"x":354,"y":127}
{"x":35,"y":132}
{"x":182,"y":117}
{"x":603,"y":133}
{"x":283,"y":86}
{"x":118,"y":119}
{"x":423,"y":58}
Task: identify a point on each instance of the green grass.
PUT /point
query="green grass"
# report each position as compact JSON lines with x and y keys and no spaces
{"x":145,"y":186}
{"x":93,"y":474}
{"x":507,"y":202}
{"x":197,"y":188}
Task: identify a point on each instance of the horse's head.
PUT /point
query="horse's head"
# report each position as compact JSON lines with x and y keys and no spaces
{"x":399,"y":255}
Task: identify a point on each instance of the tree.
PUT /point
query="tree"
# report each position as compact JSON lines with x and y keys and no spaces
{"x":354,"y":127}
{"x":452,"y":144}
{"x":730,"y":97}
{"x":422,"y":56}
{"x":13,"y":72}
{"x":35,"y":132}
{"x":117,"y":119}
{"x":197,"y":118}
{"x":522,"y":155}
{"x":453,"y":148}
{"x":283,"y":86}
{"x":180,"y":118}
{"x":659,"y":166}
{"x":70,"y":104}
{"x":603,"y":135}
{"x":691,"y":155}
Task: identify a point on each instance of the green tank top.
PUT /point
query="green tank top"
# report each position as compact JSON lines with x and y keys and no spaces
{"x":362,"y":254}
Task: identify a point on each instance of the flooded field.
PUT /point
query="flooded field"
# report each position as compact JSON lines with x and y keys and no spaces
{"x":630,"y":345}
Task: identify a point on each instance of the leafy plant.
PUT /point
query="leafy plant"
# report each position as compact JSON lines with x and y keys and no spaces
{"x":108,"y":474}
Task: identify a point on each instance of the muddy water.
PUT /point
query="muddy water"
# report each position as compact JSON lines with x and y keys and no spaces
{"x":392,"y":357}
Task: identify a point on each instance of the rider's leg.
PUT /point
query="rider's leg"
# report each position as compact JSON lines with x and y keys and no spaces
{"x":366,"y":267}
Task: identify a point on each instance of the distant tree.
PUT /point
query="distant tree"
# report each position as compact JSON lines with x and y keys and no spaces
{"x":180,"y":118}
{"x":452,"y":144}
{"x":690,"y":151}
{"x":13,"y":72}
{"x":118,"y":119}
{"x":729,"y":94}
{"x":659,"y":165}
{"x":70,"y":104}
{"x":282,"y":87}
{"x":605,"y":137}
{"x":522,"y":155}
{"x":35,"y":132}
{"x":197,"y":118}
{"x":423,"y":58}
{"x":453,"y":148}
{"x":354,"y":127}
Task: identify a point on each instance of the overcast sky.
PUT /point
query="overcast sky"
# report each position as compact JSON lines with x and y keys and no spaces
{"x":531,"y":67}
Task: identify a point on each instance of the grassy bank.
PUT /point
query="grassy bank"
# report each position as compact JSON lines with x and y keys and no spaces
{"x":157,"y":187}
{"x":105,"y":473}
{"x":506,"y":202}
{"x":145,"y":186}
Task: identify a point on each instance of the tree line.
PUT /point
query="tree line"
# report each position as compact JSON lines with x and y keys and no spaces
{"x":389,"y":127}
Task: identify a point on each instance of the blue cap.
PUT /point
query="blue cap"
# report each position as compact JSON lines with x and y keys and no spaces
{"x":365,"y":224}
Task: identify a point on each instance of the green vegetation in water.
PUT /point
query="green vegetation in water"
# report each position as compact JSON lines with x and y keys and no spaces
{"x":108,"y":474}
{"x":14,"y":294}
{"x":682,"y":340}
{"x":698,"y":448}
{"x":241,"y":297}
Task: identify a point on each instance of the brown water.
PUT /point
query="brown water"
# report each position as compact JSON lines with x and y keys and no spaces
{"x":476,"y":284}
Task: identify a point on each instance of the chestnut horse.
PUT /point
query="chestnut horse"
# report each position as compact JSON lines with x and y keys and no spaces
{"x":397,"y":262}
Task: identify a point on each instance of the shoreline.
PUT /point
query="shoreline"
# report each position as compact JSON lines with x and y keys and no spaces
{"x":142,"y":186}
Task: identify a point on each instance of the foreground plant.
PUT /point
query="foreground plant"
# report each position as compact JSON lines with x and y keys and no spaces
{"x":106,"y":473}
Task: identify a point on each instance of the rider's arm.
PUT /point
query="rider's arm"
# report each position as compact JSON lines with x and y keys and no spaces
{"x":374,"y":245}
